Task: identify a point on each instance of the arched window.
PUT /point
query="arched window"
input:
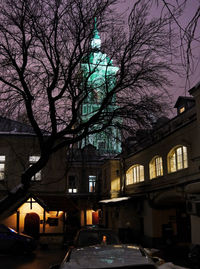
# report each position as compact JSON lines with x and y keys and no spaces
{"x":135,"y":174}
{"x":177,"y":159}
{"x":156,"y":167}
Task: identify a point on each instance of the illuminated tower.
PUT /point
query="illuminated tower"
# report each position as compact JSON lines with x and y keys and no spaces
{"x":101,"y":76}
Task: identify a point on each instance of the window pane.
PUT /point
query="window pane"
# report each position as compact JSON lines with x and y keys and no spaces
{"x":156,"y":168}
{"x":172,"y":161}
{"x":33,"y":159}
{"x":135,"y":174}
{"x":178,"y":159}
{"x":141,"y":173}
{"x":37,"y":176}
{"x":84,"y":109}
{"x":92,"y":183}
{"x":129,"y":177}
{"x":1,"y":175}
{"x":2,"y":167}
{"x":153,"y":169}
{"x":179,"y":153}
{"x":185,"y":159}
{"x":159,"y":168}
{"x":2,"y":158}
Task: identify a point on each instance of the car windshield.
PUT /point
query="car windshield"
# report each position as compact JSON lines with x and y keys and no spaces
{"x":92,"y":237}
{"x":138,"y":266}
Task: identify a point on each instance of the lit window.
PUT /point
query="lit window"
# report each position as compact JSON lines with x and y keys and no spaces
{"x":72,"y":184}
{"x":138,"y":173}
{"x":135,"y":174}
{"x":32,"y":160}
{"x":2,"y":167}
{"x":89,"y":109}
{"x":177,"y":159}
{"x":156,"y":167}
{"x":182,"y":109}
{"x":84,"y":109}
{"x":92,"y":183}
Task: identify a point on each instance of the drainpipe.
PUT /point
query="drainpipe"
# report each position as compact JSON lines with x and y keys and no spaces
{"x":123,"y":177}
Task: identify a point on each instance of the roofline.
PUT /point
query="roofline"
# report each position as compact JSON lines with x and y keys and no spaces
{"x":193,"y":89}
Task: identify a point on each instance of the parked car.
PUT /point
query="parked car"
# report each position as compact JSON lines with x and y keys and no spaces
{"x":93,"y":235}
{"x":12,"y":241}
{"x":107,"y":256}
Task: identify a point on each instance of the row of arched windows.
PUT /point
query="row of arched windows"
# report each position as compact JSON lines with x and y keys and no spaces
{"x":177,"y":159}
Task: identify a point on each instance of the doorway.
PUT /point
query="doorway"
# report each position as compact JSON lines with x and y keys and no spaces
{"x":183,"y":226}
{"x":32,"y":225}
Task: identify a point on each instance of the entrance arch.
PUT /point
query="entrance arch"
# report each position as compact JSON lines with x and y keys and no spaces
{"x":32,"y":224}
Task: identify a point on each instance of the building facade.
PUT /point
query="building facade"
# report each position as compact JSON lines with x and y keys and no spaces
{"x":62,"y":195}
{"x":149,"y":194}
{"x":159,"y":194}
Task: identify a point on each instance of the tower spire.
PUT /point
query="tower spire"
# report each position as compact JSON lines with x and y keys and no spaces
{"x":96,"y":40}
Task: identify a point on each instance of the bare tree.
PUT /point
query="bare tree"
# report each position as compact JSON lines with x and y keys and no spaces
{"x":42,"y":46}
{"x":187,"y":30}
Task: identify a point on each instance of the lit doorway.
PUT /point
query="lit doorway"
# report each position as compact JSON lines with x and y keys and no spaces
{"x":32,"y":224}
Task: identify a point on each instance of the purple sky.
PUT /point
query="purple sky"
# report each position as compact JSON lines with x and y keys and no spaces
{"x":179,"y":82}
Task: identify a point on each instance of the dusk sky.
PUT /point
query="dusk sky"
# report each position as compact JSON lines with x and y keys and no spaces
{"x":179,"y":83}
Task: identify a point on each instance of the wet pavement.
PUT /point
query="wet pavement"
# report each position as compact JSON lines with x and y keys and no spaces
{"x":178,"y":254}
{"x":39,"y":259}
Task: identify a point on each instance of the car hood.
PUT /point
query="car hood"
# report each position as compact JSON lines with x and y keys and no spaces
{"x":105,"y":256}
{"x":25,"y":235}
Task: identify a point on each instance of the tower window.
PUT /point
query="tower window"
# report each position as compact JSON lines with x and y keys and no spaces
{"x":84,"y":109}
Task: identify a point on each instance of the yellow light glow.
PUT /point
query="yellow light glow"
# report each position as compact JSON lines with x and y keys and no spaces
{"x":182,"y":109}
{"x":115,"y":184}
{"x":133,"y":247}
{"x":89,"y":217}
{"x":28,"y":207}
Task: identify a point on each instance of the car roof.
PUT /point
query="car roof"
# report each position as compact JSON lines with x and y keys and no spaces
{"x":107,"y":256}
{"x":95,"y":228}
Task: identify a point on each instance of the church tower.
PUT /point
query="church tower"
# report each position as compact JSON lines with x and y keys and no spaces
{"x":100,"y":73}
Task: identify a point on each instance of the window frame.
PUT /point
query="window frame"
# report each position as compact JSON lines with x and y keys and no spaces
{"x":92,"y":186}
{"x":179,"y":159}
{"x":156,"y":167}
{"x":135,"y":174}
